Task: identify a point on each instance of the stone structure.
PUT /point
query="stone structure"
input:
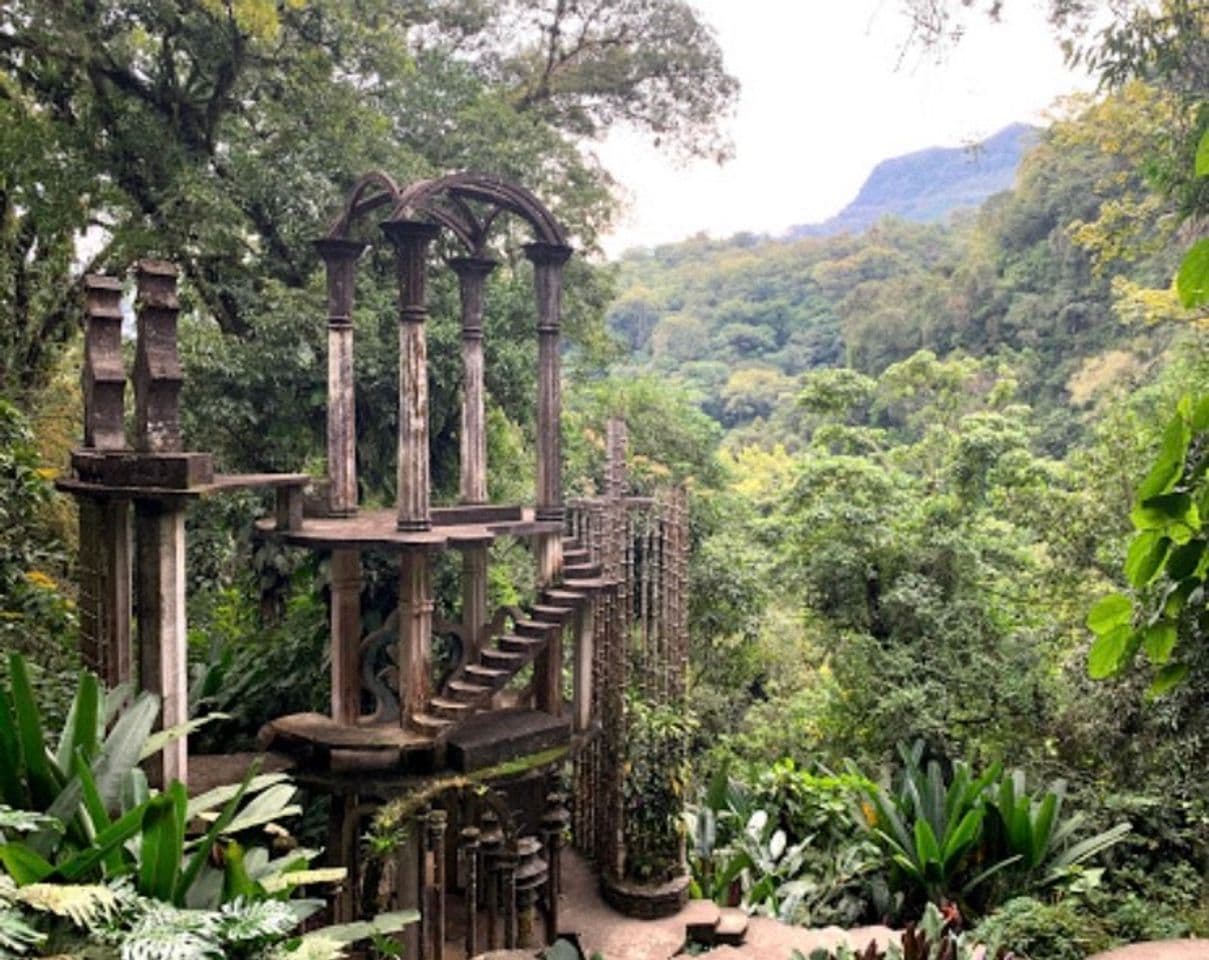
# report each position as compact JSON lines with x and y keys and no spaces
{"x":483,"y":865}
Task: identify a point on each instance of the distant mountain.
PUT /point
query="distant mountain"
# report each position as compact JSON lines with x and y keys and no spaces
{"x":928,"y":185}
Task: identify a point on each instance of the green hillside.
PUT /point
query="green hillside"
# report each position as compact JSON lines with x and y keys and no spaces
{"x":1026,"y":278}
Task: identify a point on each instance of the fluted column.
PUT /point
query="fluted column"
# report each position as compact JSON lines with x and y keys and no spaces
{"x":340,"y":261}
{"x":472,"y":276}
{"x":411,"y":239}
{"x":548,"y":260}
{"x":415,"y":633}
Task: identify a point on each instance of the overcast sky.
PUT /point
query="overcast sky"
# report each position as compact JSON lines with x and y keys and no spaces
{"x":824,"y":99}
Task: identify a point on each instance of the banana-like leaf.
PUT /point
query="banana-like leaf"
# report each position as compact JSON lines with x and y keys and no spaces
{"x":12,"y":784}
{"x":83,"y":720}
{"x":1043,"y":826}
{"x":106,"y":841}
{"x":44,"y":785}
{"x":123,"y":747}
{"x":24,"y":864}
{"x":220,"y":796}
{"x":961,"y":838}
{"x":160,"y":858}
{"x":1086,"y":849}
{"x":269,"y":805}
{"x":346,"y":933}
{"x":202,"y":853}
{"x":161,"y":738}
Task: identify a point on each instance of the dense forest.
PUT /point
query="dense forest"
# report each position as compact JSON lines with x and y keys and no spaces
{"x":948,"y":620}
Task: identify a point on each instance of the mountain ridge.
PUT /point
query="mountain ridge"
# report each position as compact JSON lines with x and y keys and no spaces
{"x":927,"y":185}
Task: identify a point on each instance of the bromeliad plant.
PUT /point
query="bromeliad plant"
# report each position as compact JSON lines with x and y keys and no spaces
{"x":930,"y":827}
{"x":949,"y":837}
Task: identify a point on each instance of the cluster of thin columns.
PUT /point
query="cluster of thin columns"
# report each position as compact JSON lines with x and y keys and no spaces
{"x":500,"y":901}
{"x":639,"y":637}
{"x":411,"y":240}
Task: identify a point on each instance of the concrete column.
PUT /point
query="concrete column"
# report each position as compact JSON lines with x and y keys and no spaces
{"x":104,"y":375}
{"x":106,"y":549}
{"x":436,"y":846}
{"x":408,"y":863}
{"x":415,"y":632}
{"x":157,"y":368}
{"x":346,"y":635}
{"x":160,"y":591}
{"x":411,"y":239}
{"x":472,"y":275}
{"x":470,"y":861}
{"x":548,"y":260}
{"x":342,"y":842}
{"x":340,"y":260}
{"x":474,"y":599}
{"x":585,"y":628}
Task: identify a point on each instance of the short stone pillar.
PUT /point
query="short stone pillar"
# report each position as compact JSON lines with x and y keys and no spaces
{"x":470,"y":869}
{"x":554,"y":825}
{"x":491,"y":843}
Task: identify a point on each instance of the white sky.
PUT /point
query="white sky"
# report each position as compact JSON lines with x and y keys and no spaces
{"x":823,"y":101}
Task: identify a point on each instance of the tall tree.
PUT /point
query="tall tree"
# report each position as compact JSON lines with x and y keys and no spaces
{"x":220,"y":133}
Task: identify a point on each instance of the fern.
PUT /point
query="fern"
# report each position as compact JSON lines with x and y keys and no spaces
{"x":166,"y":933}
{"x":17,"y":936}
{"x":26,"y":821}
{"x":87,"y":906}
{"x":241,"y":923}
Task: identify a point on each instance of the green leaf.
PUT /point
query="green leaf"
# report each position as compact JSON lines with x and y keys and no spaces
{"x":1043,"y":824}
{"x":1169,"y":465}
{"x":1109,"y":613}
{"x":12,"y":784}
{"x":202,"y":853}
{"x":1202,"y":156}
{"x":1200,"y":415}
{"x":1172,"y":675}
{"x":927,"y":850}
{"x":80,"y":731}
{"x":1192,"y":281}
{"x":1161,"y":511}
{"x":1145,"y":558}
{"x":161,"y":849}
{"x":1111,"y":652}
{"x":106,"y":841}
{"x":236,"y":880}
{"x":1158,"y":640}
{"x":44,"y":786}
{"x":1185,"y":559}
{"x":23,"y":864}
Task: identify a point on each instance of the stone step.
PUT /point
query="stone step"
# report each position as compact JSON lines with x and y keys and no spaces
{"x":732,"y":926}
{"x":572,"y":571}
{"x":564,"y":598}
{"x":546,"y":613}
{"x":577,"y":555}
{"x":534,"y":628}
{"x":488,"y":676}
{"x":700,"y":918}
{"x":468,"y":691}
{"x":449,"y":709}
{"x":504,"y":660}
{"x":428,"y":724}
{"x":524,"y":647}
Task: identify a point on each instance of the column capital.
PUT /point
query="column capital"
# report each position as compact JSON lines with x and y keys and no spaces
{"x":338,"y":249}
{"x":548,"y":254}
{"x":404,"y":232}
{"x":471,"y":267}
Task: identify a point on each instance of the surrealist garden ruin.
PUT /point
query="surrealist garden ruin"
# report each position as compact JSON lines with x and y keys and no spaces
{"x":409,"y":548}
